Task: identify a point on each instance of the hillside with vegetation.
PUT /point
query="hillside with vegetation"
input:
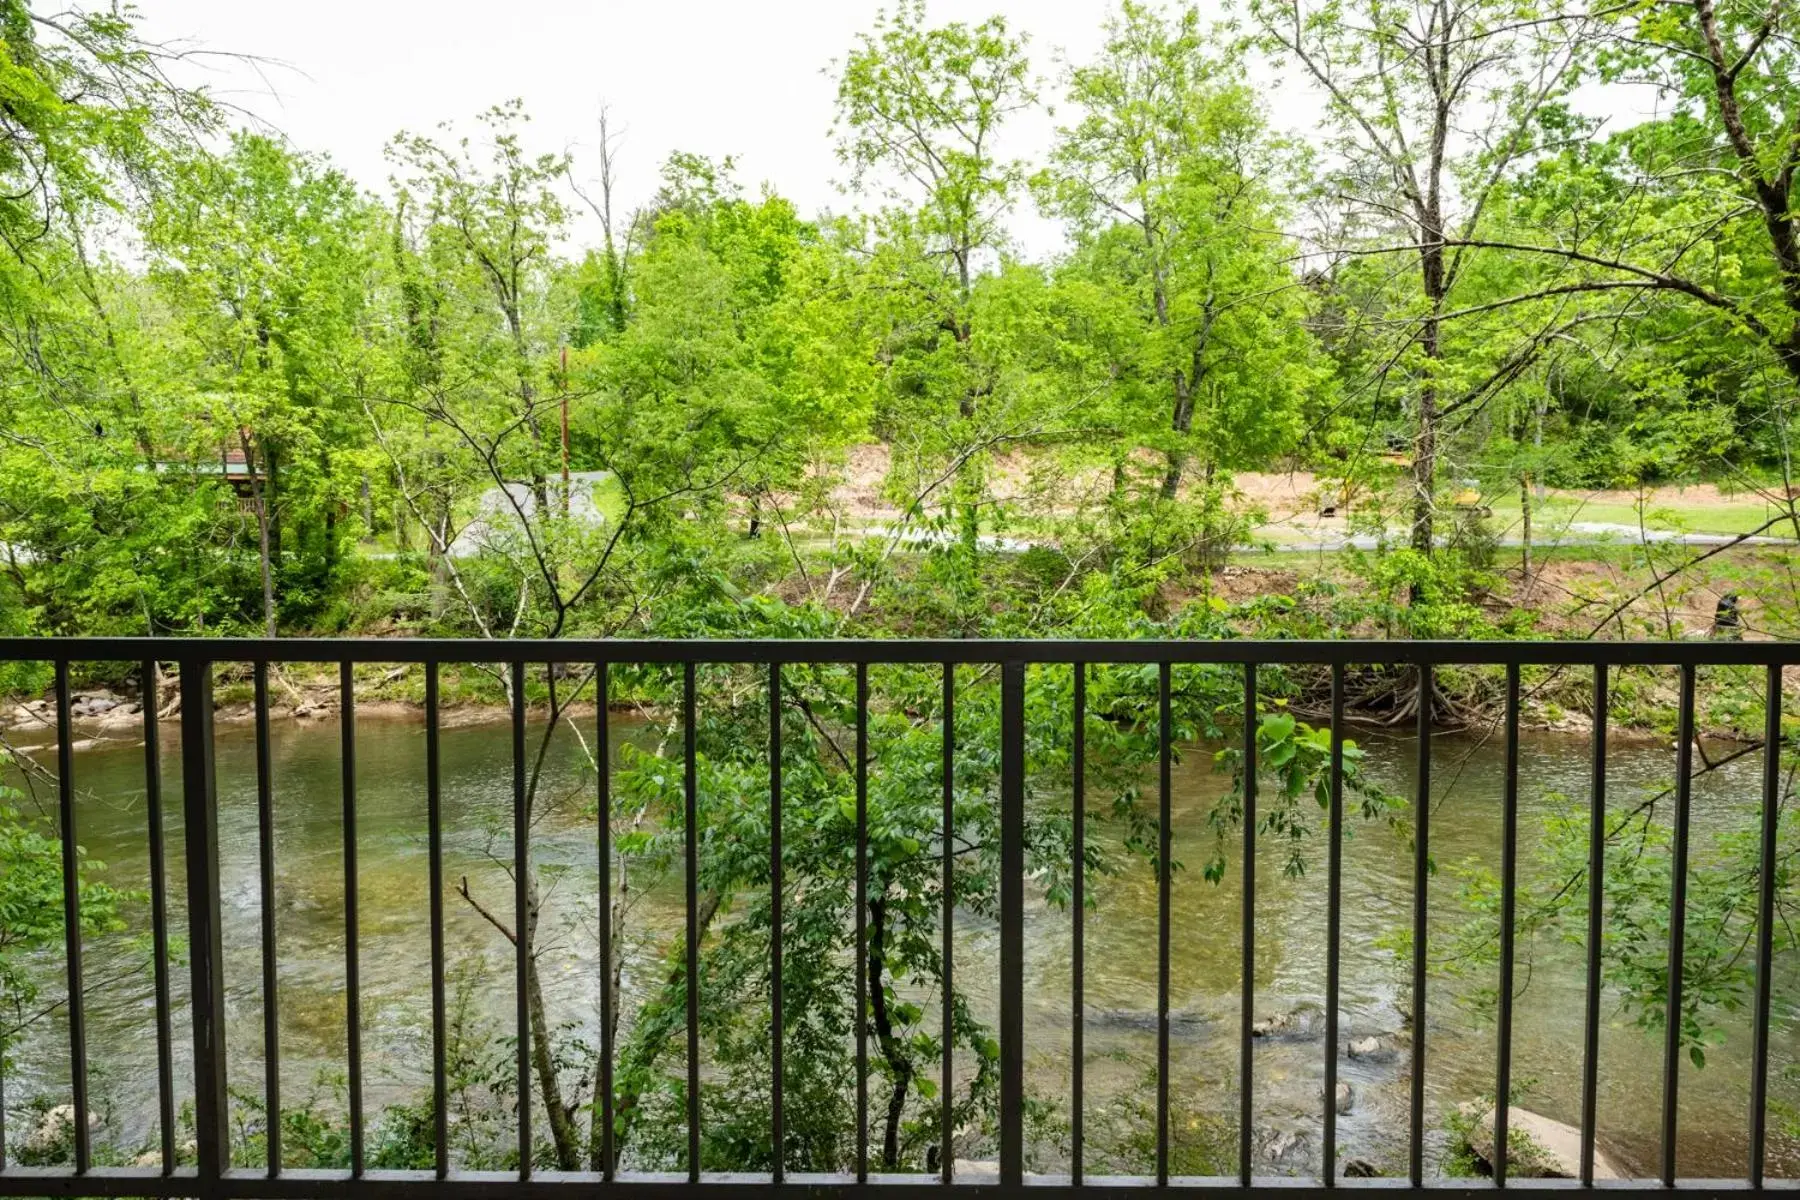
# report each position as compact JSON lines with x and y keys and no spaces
{"x":1482,"y":358}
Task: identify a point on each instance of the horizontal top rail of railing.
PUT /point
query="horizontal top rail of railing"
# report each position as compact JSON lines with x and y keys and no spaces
{"x":206,"y":1170}
{"x":1322,"y":652}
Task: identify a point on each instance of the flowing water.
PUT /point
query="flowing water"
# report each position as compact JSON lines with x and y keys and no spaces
{"x":1121,"y":949}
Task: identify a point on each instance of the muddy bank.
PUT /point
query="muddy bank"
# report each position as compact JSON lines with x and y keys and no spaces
{"x":101,"y":717}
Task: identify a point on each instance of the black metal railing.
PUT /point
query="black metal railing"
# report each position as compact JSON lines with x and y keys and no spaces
{"x":212,"y":1175}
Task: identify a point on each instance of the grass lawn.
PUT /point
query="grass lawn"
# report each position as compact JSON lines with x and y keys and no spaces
{"x":1727,"y":518}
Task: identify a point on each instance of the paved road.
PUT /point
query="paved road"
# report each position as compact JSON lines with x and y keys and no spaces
{"x":1576,"y":533}
{"x":497,"y":516}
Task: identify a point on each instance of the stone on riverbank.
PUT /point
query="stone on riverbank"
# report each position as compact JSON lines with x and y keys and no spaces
{"x":54,"y":1138}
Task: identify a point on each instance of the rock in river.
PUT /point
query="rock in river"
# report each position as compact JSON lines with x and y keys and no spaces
{"x":1303,"y":1023}
{"x":1345,"y":1099}
{"x":1538,"y":1147}
{"x":1288,"y":1149}
{"x":1182,"y":1022}
{"x":1374,"y":1049}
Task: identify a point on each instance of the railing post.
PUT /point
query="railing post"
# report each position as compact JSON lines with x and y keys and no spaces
{"x":71,"y":882}
{"x":205,"y":956}
{"x":1012,"y":922}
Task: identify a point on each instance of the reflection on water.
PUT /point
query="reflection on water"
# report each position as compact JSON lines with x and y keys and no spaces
{"x":1121,"y":956}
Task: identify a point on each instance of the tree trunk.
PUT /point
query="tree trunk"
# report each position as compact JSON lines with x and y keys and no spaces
{"x":1187,"y":387}
{"x":1424,"y":469}
{"x":1537,"y":442}
{"x":562,"y":1127}
{"x":1525,"y":522}
{"x":1183,"y":415}
{"x":1181,"y":421}
{"x":615,"y":284}
{"x":615,"y":970}
{"x":970,"y":477}
{"x":898,"y":1063}
{"x":259,"y":500}
{"x":1425,"y":445}
{"x":330,"y":555}
{"x":1790,"y":353}
{"x":271,"y":492}
{"x":1774,"y":194}
{"x":966,"y":499}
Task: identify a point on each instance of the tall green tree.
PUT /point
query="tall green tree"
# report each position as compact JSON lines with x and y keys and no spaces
{"x":94,"y":539}
{"x":1170,"y":178}
{"x":746,"y":359}
{"x":469,"y":424}
{"x":1690,"y":220}
{"x":487,"y":215}
{"x":263,"y":253}
{"x":919,"y":113}
{"x":1430,"y":106}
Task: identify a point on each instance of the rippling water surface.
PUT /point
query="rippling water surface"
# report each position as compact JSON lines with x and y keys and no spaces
{"x":1121,"y":956}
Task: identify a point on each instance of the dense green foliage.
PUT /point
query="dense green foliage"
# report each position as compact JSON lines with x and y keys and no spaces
{"x":241,"y":393}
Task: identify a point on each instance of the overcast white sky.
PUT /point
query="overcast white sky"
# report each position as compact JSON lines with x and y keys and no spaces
{"x":715,"y":77}
{"x":747,"y":78}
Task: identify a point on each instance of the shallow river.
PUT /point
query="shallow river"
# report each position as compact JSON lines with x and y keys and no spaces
{"x":1120,"y":977}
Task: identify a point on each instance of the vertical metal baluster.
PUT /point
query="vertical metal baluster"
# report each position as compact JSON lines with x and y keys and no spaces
{"x":1012,"y":923}
{"x":1596,"y":869}
{"x":1078,"y":924}
{"x":691,"y":848}
{"x":71,"y":881}
{"x":1247,"y":990}
{"x":1509,"y":842}
{"x":200,"y":814}
{"x":777,"y":1129}
{"x":265,"y":829}
{"x":521,"y":919}
{"x":1421,"y":870}
{"x":1684,"y":768}
{"x":946,"y":1168}
{"x":1334,"y":875}
{"x":159,"y":922}
{"x":1164,"y":849}
{"x":862,"y":922}
{"x":352,"y":963}
{"x":603,"y":760}
{"x":1765,"y":923}
{"x":434,"y":836}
